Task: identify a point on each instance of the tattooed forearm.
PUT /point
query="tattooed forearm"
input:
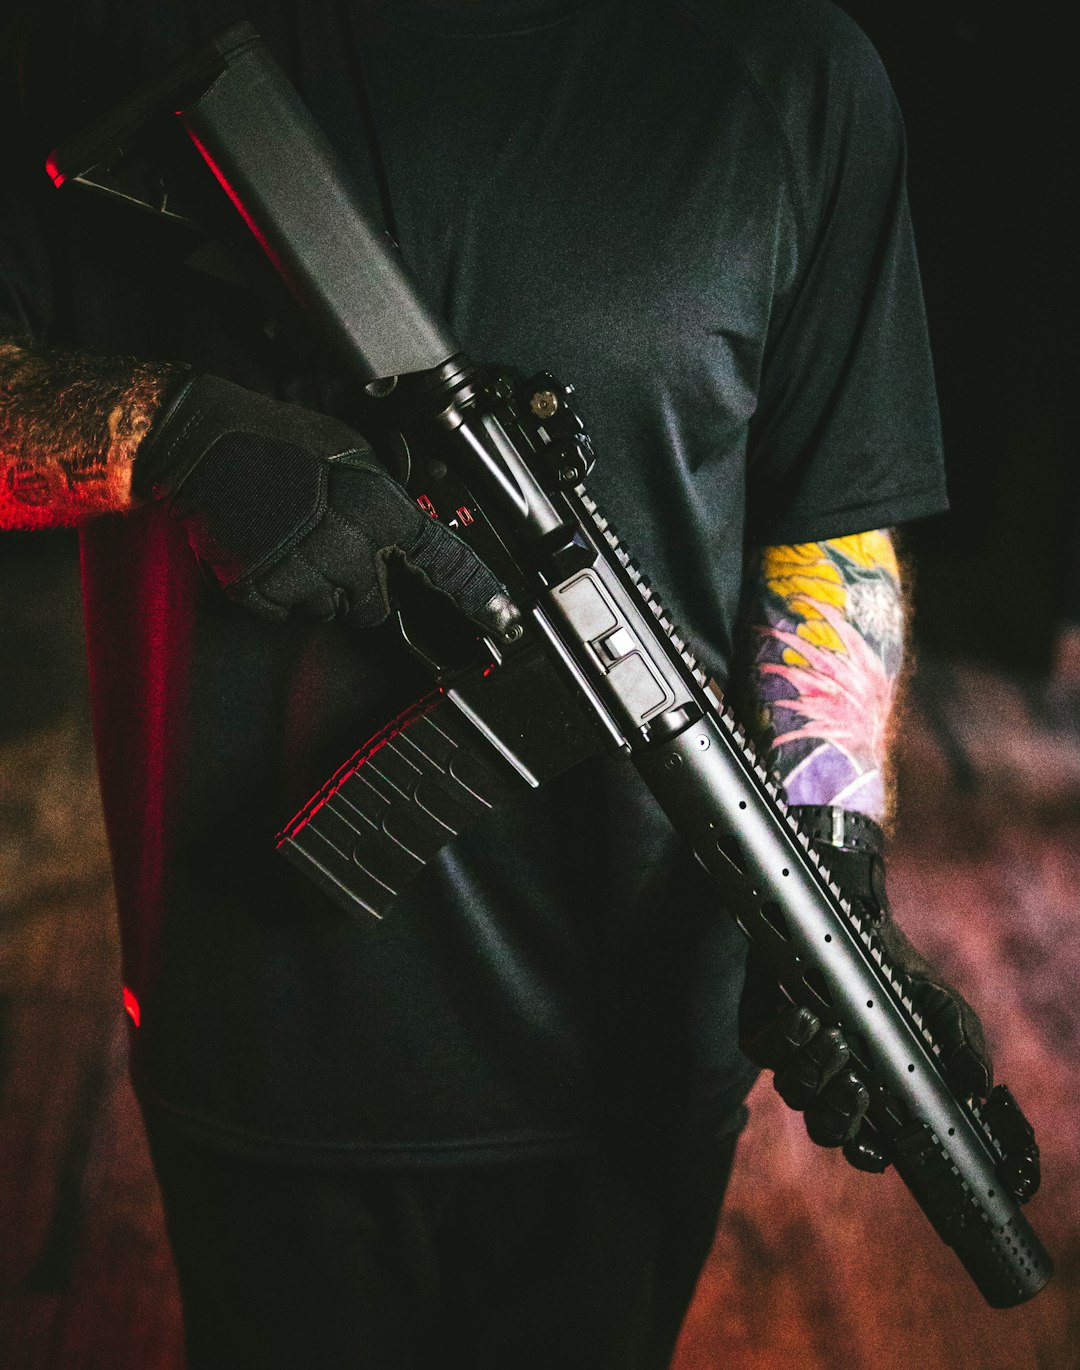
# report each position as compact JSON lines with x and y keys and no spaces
{"x":826,"y":624}
{"x":69,"y":428}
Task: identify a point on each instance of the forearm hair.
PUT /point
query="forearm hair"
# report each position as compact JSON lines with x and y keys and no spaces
{"x":70,"y":425}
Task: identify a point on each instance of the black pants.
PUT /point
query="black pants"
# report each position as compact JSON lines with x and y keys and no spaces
{"x":572,"y":1264}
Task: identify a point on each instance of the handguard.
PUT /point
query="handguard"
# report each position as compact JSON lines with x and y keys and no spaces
{"x":594,"y":665}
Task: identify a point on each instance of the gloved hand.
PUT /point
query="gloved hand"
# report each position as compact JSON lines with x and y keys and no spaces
{"x":291,"y":510}
{"x":809,"y":1061}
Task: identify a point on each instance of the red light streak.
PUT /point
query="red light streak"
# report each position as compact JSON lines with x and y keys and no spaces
{"x":131,"y":1006}
{"x":425,"y":503}
{"x":395,"y":728}
{"x":141,"y":693}
{"x":465,"y":515}
{"x":238,"y":204}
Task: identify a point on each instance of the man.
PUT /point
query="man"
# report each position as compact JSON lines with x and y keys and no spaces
{"x":495,"y":1128}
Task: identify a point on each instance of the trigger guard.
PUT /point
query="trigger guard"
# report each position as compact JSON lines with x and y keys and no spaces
{"x":435,"y":655}
{"x":414,"y":644}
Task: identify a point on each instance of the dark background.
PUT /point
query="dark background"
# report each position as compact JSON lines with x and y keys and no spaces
{"x":988,"y":95}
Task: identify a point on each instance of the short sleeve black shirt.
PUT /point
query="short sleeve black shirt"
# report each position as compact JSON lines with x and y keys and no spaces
{"x":695,"y":213}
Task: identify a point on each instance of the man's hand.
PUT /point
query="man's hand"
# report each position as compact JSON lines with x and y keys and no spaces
{"x":810,"y":1065}
{"x":292,"y":511}
{"x":811,"y":1061}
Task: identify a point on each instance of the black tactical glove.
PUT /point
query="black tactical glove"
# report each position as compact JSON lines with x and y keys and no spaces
{"x":809,"y":1065}
{"x":291,"y":510}
{"x":811,"y":1062}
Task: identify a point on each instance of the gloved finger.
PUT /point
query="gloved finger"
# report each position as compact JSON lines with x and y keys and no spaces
{"x":971,"y":1071}
{"x":785,"y":1032}
{"x":326,"y":576}
{"x":835,"y":1115}
{"x":499,"y":616}
{"x":954,"y":1026}
{"x":950,"y":1019}
{"x":811,"y":1068}
{"x":316,"y":599}
{"x":450,"y":565}
{"x":860,"y":1152}
{"x":251,"y":598}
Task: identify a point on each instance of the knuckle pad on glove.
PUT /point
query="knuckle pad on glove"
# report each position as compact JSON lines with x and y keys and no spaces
{"x":325,"y":587}
{"x":769,"y":1037}
{"x":291,"y":583}
{"x":861,"y":1153}
{"x":828,"y":1052}
{"x":811,"y":1068}
{"x":836,"y":1115}
{"x":344,"y":556}
{"x":252,"y":599}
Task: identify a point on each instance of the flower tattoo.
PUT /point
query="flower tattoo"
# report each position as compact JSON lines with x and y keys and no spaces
{"x":827,"y":625}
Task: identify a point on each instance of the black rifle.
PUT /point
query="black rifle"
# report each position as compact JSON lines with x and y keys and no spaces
{"x":593,"y":666}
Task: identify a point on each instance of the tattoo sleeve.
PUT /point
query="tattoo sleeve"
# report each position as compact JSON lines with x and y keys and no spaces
{"x":70,"y":425}
{"x":826,"y":627}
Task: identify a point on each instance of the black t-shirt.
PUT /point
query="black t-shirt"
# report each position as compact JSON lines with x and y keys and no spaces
{"x":696,"y":214}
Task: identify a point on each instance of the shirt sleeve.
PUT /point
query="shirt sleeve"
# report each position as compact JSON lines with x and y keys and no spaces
{"x":846,"y":436}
